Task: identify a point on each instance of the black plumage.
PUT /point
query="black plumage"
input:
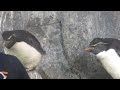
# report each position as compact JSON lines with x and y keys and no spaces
{"x":13,"y":67}
{"x":104,"y":44}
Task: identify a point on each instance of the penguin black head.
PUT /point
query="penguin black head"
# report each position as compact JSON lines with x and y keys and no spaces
{"x":98,"y":45}
{"x":11,"y":37}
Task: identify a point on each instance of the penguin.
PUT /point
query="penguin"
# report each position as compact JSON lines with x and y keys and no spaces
{"x":107,"y":51}
{"x":11,"y":68}
{"x":24,"y":46}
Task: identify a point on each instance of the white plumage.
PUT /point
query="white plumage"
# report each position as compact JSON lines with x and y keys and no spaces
{"x":28,"y":55}
{"x":111,"y":62}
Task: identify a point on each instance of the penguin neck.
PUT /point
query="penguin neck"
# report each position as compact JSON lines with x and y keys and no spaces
{"x":111,"y":62}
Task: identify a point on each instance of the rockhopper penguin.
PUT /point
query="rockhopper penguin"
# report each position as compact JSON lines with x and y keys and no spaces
{"x":107,"y":50}
{"x":24,"y":46}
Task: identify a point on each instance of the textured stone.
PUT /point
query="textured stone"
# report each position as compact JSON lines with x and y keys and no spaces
{"x":64,"y":35}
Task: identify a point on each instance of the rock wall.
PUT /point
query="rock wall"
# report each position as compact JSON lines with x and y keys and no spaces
{"x":64,"y":35}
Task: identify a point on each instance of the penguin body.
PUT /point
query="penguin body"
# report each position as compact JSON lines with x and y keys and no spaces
{"x":28,"y":56}
{"x":11,"y":68}
{"x":24,"y":46}
{"x":107,"y":51}
{"x":111,"y":62}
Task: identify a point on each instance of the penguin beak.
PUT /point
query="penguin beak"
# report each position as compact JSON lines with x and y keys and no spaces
{"x":89,"y":49}
{"x":5,"y":43}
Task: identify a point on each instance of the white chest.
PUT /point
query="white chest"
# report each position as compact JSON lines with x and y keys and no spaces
{"x":111,"y":62}
{"x":28,"y":56}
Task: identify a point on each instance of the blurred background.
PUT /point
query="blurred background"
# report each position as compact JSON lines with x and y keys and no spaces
{"x":64,"y":35}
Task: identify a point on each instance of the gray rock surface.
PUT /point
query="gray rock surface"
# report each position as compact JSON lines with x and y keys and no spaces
{"x":64,"y":35}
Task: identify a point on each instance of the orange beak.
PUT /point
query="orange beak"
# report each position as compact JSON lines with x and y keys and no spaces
{"x":89,"y":49}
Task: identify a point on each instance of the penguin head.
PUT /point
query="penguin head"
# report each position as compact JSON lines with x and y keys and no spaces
{"x":9,"y":39}
{"x":15,"y":36}
{"x":98,"y":45}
